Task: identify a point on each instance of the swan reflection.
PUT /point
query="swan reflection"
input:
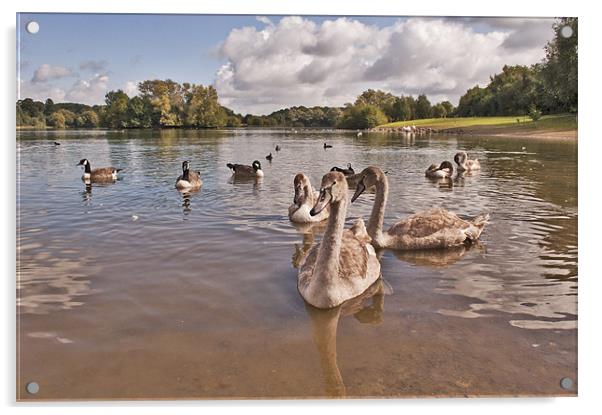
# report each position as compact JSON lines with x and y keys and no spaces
{"x":324,"y":330}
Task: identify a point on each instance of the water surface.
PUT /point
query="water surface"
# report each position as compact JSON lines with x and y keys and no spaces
{"x":133,"y":290}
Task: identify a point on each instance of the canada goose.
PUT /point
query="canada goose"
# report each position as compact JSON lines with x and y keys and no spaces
{"x":345,"y":264}
{"x":269,"y":157}
{"x":242,"y":170}
{"x":189,"y":180}
{"x":445,"y":169}
{"x":305,"y":199}
{"x":278,"y":148}
{"x":347,"y":172}
{"x":434,"y":228}
{"x":464,"y":164}
{"x":102,"y":174}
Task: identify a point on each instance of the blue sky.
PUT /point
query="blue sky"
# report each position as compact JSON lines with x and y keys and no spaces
{"x":274,"y":62}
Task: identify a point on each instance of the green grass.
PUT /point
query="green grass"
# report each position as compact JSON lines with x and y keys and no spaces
{"x":547,"y":122}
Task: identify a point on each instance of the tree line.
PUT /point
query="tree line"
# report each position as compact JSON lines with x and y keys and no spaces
{"x":547,"y":87}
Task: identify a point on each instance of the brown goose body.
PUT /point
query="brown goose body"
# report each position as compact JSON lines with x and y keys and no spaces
{"x":188,"y":180}
{"x":99,"y":175}
{"x":243,"y":170}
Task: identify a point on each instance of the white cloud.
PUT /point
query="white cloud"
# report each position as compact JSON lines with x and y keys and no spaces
{"x":39,"y":91}
{"x":47,"y":72}
{"x":131,"y":88}
{"x":264,"y":20}
{"x":299,"y":62}
{"x":90,"y":91}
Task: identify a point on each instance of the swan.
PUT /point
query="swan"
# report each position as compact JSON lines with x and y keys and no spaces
{"x":445,"y":169}
{"x":102,"y":174}
{"x":464,"y":164}
{"x":189,"y":180}
{"x":434,"y":228}
{"x":344,"y":264}
{"x":242,"y":170}
{"x":304,"y":200}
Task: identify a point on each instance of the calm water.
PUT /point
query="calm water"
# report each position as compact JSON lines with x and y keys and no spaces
{"x":133,"y":290}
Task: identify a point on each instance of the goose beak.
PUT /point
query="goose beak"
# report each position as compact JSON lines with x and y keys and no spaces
{"x":358,"y":191}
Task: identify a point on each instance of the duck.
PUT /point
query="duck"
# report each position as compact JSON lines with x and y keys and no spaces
{"x":102,"y":174}
{"x":242,"y":170}
{"x":445,"y":169}
{"x":359,"y":134}
{"x":269,"y":157}
{"x":344,"y":264}
{"x":430,"y":229}
{"x":278,"y":148}
{"x":347,"y":172}
{"x":464,"y":164}
{"x":56,"y":143}
{"x":327,"y":146}
{"x":189,"y":180}
{"x":304,"y":199}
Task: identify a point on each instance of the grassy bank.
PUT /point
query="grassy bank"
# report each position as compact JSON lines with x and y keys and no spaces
{"x":563,"y":125}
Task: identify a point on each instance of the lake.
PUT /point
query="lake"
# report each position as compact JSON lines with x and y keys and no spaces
{"x":133,"y":290}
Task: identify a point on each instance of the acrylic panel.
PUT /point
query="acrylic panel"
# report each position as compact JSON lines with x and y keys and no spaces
{"x":264,"y":207}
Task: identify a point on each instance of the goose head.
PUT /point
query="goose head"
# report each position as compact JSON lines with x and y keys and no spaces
{"x":302,"y":189}
{"x":185,"y":165}
{"x":83,"y":162}
{"x":333,"y":189}
{"x":368,"y":177}
{"x":460,"y":158}
{"x":256,"y":165}
{"x":446,"y":165}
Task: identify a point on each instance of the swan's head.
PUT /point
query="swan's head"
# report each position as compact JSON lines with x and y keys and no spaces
{"x":185,"y":165}
{"x":256,"y":165}
{"x":332,"y":190}
{"x":460,"y":157}
{"x":446,"y":165}
{"x":83,"y":162}
{"x":302,"y":185}
{"x":368,"y":177}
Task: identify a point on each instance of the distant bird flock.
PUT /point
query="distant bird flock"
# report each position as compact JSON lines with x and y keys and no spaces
{"x":344,"y":267}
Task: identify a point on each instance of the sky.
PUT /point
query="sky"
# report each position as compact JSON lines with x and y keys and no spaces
{"x":261,"y":64}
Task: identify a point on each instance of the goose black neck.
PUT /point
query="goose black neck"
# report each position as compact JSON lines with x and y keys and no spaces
{"x":185,"y":174}
{"x":87,"y":168}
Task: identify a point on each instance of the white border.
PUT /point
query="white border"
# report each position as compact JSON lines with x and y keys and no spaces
{"x":590,"y":143}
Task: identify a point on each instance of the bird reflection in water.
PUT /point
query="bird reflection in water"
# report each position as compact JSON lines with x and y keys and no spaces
{"x":443,"y":183}
{"x":436,"y":257}
{"x":324,"y":329}
{"x":186,"y":200}
{"x":309,"y":231}
{"x":461,"y":177}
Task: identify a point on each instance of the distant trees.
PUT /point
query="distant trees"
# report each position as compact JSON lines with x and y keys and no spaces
{"x":362,"y":116}
{"x":547,"y":87}
{"x":550,"y":86}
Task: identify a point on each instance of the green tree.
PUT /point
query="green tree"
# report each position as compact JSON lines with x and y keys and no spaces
{"x":559,"y":69}
{"x":204,"y":109}
{"x":115,"y":113}
{"x":362,"y":116}
{"x":423,"y":107}
{"x":57,"y":120}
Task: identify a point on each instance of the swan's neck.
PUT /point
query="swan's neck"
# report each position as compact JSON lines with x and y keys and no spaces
{"x":309,"y":195}
{"x":377,"y":217}
{"x":327,"y":263}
